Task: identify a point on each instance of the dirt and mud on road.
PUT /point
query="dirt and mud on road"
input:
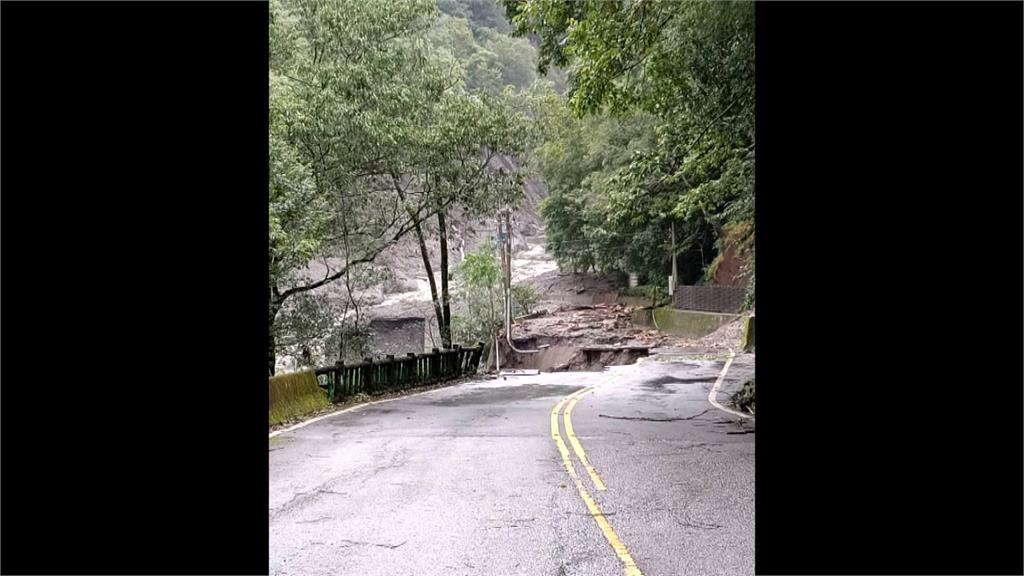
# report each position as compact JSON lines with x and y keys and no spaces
{"x":579,"y":324}
{"x":589,"y":337}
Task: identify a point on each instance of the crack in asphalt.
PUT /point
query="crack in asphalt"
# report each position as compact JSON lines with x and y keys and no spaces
{"x":346,"y":543}
{"x":300,"y":498}
{"x":648,"y":419}
{"x":697,"y":525}
{"x":313,"y":521}
{"x":563,"y":565}
{"x":688,"y":522}
{"x":588,"y":514}
{"x":674,"y":513}
{"x":705,"y":446}
{"x":515,"y":523}
{"x":397,"y":460}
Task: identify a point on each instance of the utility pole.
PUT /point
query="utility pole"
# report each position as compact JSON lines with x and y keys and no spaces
{"x":508,"y":260}
{"x":501,"y":254}
{"x":505,"y":237}
{"x":502,"y":240}
{"x":675,"y":270}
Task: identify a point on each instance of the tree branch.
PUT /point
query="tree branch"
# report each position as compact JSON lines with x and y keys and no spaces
{"x":415,"y":218}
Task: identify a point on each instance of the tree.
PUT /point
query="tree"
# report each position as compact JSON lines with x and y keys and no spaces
{"x":453,"y":165}
{"x":481,"y":13}
{"x":690,"y":67}
{"x":481,"y":289}
{"x":488,"y":59}
{"x":349,"y":81}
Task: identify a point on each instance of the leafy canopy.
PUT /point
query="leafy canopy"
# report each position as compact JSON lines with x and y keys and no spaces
{"x":688,"y":68}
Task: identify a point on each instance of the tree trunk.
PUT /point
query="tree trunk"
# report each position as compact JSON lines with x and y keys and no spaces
{"x":271,"y":357}
{"x":275,"y":306}
{"x":426,"y":262}
{"x":492,"y":316}
{"x":445,"y":321}
{"x":430,"y":278}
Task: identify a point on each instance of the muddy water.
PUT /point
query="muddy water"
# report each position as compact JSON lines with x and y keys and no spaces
{"x":526,"y":264}
{"x":532,"y":262}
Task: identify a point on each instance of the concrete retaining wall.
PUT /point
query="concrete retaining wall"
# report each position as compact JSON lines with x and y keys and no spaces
{"x":747,"y":345}
{"x":688,"y":323}
{"x":294,"y":395}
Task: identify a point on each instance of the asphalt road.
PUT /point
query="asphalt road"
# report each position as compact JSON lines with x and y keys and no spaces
{"x":469,"y":480}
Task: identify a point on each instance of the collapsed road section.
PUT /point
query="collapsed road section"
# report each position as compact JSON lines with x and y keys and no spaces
{"x":591,"y":337}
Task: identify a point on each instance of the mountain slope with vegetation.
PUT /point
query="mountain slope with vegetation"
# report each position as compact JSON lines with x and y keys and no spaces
{"x":655,"y":140}
{"x":399,"y":128}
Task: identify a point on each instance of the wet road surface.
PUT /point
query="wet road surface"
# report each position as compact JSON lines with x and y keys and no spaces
{"x":468,"y":479}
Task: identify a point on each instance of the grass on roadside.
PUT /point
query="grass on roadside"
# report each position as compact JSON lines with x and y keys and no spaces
{"x":363,"y":398}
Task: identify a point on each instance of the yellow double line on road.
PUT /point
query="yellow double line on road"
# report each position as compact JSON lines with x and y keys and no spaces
{"x":569,"y":402}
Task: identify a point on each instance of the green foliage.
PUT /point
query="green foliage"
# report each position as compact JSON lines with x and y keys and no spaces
{"x":524,"y":299}
{"x":328,"y":327}
{"x":600,"y":215}
{"x":451,"y":161}
{"x":682,"y":73}
{"x":474,"y":34}
{"x":349,"y":80}
{"x":464,"y":330}
{"x":482,"y":14}
{"x":350,"y":341}
{"x":479,"y":289}
{"x":578,"y":159}
{"x":304,"y":321}
{"x":480,"y":269}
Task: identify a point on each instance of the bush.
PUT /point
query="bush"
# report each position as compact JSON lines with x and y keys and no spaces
{"x":480,"y":294}
{"x":525,"y":298}
{"x":744,"y":399}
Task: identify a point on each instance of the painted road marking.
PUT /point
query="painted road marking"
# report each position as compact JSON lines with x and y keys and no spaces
{"x":305,"y":423}
{"x":602,"y":522}
{"x":567,"y":416}
{"x":718,"y":384}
